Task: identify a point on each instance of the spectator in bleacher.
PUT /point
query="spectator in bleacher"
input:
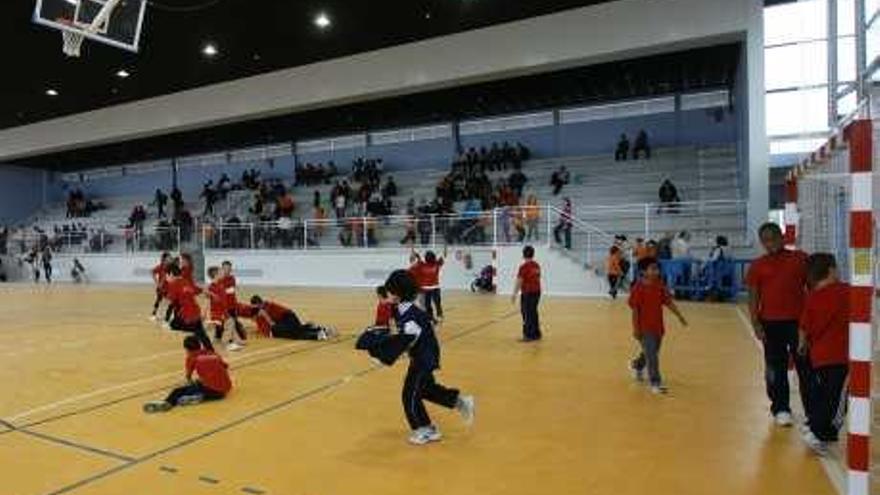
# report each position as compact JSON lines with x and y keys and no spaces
{"x":176,"y":201}
{"x":137,"y":218}
{"x":517,"y":182}
{"x":285,"y":206}
{"x":641,"y":144}
{"x":224,"y":186}
{"x":389,"y":190}
{"x":669,"y":199}
{"x":559,"y":179}
{"x":532,"y":216}
{"x":209,"y":194}
{"x":622,"y":150}
{"x":719,"y":251}
{"x":340,"y":203}
{"x":4,"y":239}
{"x":565,"y":224}
{"x":681,"y":248}
{"x":160,"y":200}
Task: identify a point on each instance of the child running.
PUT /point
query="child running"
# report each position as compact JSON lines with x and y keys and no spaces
{"x":228,"y":282}
{"x":824,"y":339}
{"x":613,"y":270}
{"x":427,"y":275}
{"x":187,"y":313}
{"x":647,"y":299}
{"x":213,"y":379}
{"x":218,"y":310}
{"x":416,"y":331}
{"x":160,"y":280}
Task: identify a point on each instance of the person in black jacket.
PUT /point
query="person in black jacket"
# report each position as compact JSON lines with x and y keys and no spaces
{"x":416,"y":337}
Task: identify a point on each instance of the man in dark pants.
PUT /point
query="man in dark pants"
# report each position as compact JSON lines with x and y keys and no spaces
{"x":528,"y":282}
{"x":777,"y":283}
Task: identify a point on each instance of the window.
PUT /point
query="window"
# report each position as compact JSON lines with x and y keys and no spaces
{"x":793,"y":22}
{"x":795,"y":112}
{"x":793,"y":66}
{"x":846,"y":17}
{"x":846,"y":59}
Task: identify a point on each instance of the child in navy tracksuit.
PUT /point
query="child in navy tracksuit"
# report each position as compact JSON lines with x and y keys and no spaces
{"x":416,"y":335}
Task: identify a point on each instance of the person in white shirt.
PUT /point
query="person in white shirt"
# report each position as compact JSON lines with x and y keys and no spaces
{"x":681,"y":246}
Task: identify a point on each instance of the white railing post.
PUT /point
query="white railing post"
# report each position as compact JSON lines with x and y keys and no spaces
{"x":549,"y":210}
{"x":647,"y":221}
{"x":589,"y":249}
{"x":434,"y":231}
{"x":305,"y":234}
{"x":495,"y":226}
{"x":179,"y":240}
{"x":366,"y":244}
{"x":253,"y":235}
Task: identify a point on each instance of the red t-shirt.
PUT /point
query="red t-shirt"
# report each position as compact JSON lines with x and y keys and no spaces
{"x":218,"y":301}
{"x":825,"y":322}
{"x":427,"y":275}
{"x":530,"y":274}
{"x":648,"y":300}
{"x":228,"y":284}
{"x":159,"y":275}
{"x":186,"y":273}
{"x":213,"y":372}
{"x":183,"y":294}
{"x":779,"y":279}
{"x":384,"y":310}
{"x":275,"y":311}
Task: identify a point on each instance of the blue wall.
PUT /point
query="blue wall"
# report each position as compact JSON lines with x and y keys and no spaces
{"x":21,"y":193}
{"x":693,"y":127}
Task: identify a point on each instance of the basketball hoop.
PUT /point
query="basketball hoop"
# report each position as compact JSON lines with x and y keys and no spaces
{"x":72,"y":42}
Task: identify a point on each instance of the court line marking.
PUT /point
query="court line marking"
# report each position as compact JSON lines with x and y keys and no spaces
{"x":259,"y":413}
{"x":76,"y":445}
{"x":833,"y":469}
{"x":286,"y":350}
{"x":289,"y":350}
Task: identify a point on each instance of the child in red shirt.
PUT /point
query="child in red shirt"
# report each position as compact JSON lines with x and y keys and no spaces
{"x":283,"y":323}
{"x":647,"y":299}
{"x":187,"y":312}
{"x":219,"y":309}
{"x":231,"y":299}
{"x":213,"y":379}
{"x":824,"y":339}
{"x":427,"y":275}
{"x":528,"y":282}
{"x":160,"y":279}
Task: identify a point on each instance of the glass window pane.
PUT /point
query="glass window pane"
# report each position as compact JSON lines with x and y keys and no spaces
{"x":796,"y":145}
{"x":846,"y":17}
{"x":847,"y":104}
{"x":792,"y":66}
{"x":871,"y":7}
{"x":846,"y":59}
{"x":795,"y":112}
{"x":873,"y":41}
{"x":796,"y":21}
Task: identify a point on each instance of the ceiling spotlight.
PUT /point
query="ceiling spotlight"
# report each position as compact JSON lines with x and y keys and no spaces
{"x":122,"y":73}
{"x":209,"y":50}
{"x":51,"y":92}
{"x":322,"y":20}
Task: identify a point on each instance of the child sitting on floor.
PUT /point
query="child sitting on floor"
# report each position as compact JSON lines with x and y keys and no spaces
{"x":213,"y":379}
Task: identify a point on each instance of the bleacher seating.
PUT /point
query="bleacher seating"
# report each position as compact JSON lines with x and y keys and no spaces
{"x":608,"y":196}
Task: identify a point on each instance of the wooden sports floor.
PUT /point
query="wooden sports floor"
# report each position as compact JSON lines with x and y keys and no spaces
{"x":558,"y":417}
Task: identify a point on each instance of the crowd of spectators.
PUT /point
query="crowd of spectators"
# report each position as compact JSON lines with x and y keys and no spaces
{"x":314,"y":174}
{"x":78,"y":206}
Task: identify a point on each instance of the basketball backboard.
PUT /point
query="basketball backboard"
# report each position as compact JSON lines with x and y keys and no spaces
{"x":112,"y":22}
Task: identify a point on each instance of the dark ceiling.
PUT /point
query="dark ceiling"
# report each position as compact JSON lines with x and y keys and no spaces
{"x":252,"y":36}
{"x":693,"y":70}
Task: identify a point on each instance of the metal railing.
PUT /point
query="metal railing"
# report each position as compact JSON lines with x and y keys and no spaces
{"x":96,"y":240}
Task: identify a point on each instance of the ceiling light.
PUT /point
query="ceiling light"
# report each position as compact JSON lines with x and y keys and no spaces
{"x":122,"y":73}
{"x":322,"y":20}
{"x":209,"y":50}
{"x":51,"y":92}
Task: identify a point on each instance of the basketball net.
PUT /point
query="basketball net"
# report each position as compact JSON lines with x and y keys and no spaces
{"x":73,"y":40}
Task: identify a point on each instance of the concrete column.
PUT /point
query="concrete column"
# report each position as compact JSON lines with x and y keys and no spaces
{"x":757,"y":145}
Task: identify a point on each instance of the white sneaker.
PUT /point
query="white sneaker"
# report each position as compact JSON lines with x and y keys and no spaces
{"x":234,"y":346}
{"x":784,"y":419}
{"x":434,"y":434}
{"x":658,"y":389}
{"x":166,"y":326}
{"x":637,"y":374}
{"x":467,"y":407}
{"x":153,"y":318}
{"x":804,"y":428}
{"x":322,"y":334}
{"x":421,"y":436}
{"x":816,"y":445}
{"x":157,"y":407}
